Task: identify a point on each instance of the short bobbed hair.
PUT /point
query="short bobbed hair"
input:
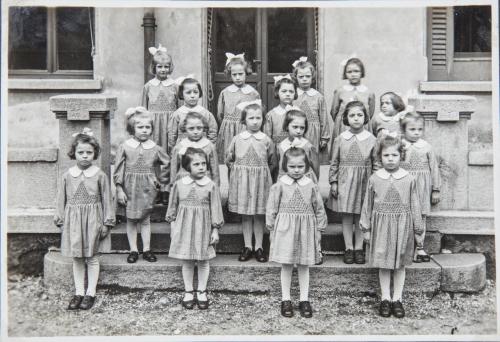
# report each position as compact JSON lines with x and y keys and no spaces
{"x":354,"y":104}
{"x":82,"y":138}
{"x":160,"y":58}
{"x":188,"y":157}
{"x":253,"y":106}
{"x":278,"y":84}
{"x":409,"y":117}
{"x":292,"y":114}
{"x":295,"y":152}
{"x":193,"y":115}
{"x":189,"y":81}
{"x":304,"y":65}
{"x":385,"y":140}
{"x":396,"y":100}
{"x":355,"y":61}
{"x":139,"y":113}
{"x":237,"y":61}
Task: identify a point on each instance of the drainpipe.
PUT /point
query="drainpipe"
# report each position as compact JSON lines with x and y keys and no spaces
{"x":148,"y":22}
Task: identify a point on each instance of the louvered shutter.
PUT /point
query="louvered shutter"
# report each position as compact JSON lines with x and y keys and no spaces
{"x":440,"y":42}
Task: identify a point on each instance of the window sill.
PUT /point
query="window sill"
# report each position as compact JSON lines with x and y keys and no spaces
{"x":54,"y":84}
{"x":456,"y":87}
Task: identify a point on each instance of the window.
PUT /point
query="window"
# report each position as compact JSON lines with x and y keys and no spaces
{"x":51,"y":42}
{"x":459,"y":43}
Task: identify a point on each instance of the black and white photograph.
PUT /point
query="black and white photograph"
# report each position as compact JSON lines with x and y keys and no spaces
{"x":238,"y":170}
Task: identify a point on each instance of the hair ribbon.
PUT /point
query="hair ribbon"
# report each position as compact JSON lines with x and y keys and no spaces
{"x":280,"y":77}
{"x":343,"y":63}
{"x":231,"y":56}
{"x":181,"y":79}
{"x":289,"y":108}
{"x":85,"y":131}
{"x":153,"y":50}
{"x":134,"y":110}
{"x":301,"y":59}
{"x":244,"y":104}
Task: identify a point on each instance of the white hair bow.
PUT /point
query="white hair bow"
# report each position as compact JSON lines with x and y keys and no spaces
{"x":230,"y":56}
{"x":280,"y":77}
{"x":289,"y":108}
{"x":392,"y":134}
{"x":244,"y":104}
{"x":133,"y":110}
{"x":344,"y":61}
{"x":86,"y":131}
{"x":296,"y":143}
{"x":181,"y":79}
{"x":301,"y":59}
{"x":153,"y":50}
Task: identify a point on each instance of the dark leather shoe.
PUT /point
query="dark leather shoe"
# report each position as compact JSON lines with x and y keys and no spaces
{"x":74,"y":303}
{"x":359,"y":256}
{"x":305,"y":309}
{"x":385,"y":308}
{"x":202,"y":304}
{"x":286,"y":308}
{"x":259,"y":255}
{"x":132,"y":257}
{"x":188,"y":304}
{"x":149,"y":256}
{"x":246,"y":254}
{"x":397,"y":309}
{"x":349,"y":257}
{"x":87,"y":303}
{"x":164,"y":197}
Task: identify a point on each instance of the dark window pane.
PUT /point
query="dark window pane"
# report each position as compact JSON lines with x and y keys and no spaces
{"x":235,"y":33}
{"x":287,"y":38}
{"x":472,"y":28}
{"x":28,"y":38}
{"x":74,"y":44}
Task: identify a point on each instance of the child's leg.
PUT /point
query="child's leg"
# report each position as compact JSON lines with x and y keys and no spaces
{"x":203,"y":272}
{"x":132,"y":234}
{"x":93,"y":275}
{"x":145,"y":233}
{"x":384,"y":275}
{"x":258,"y":230}
{"x":347,"y":221}
{"x":247,"y":223}
{"x":79,"y":275}
{"x":399,"y":282}
{"x":303,"y":282}
{"x":187,"y":275}
{"x":419,"y":239}
{"x":358,"y":234}
{"x":286,"y":281}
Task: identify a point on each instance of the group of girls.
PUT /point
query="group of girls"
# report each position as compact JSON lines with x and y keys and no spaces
{"x":273,"y":170}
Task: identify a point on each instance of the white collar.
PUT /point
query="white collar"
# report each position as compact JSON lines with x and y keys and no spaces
{"x":185,"y":109}
{"x":156,"y":82}
{"x":350,"y":87}
{"x":363,"y":135}
{"x":185,"y":143}
{"x":246,"y":134}
{"x":147,"y":145}
{"x":420,"y":143}
{"x":400,"y":173}
{"x":286,"y":144}
{"x":279,"y":110}
{"x":246,"y":89}
{"x":395,"y":117}
{"x":188,"y":180}
{"x":75,"y":171}
{"x":310,"y":92}
{"x":289,"y":180}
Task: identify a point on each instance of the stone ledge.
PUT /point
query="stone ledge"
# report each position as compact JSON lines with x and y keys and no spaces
{"x":54,"y":84}
{"x":462,"y":272}
{"x":32,"y":154}
{"x":481,"y":158}
{"x":456,"y":87}
{"x":436,"y":103}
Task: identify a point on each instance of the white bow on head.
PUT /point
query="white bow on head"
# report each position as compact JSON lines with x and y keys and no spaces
{"x":289,"y":108}
{"x":280,"y":77}
{"x":181,"y":79}
{"x":244,"y":104}
{"x":301,"y":59}
{"x":230,"y":56}
{"x":391,"y":134}
{"x":86,"y":131}
{"x":344,"y":61}
{"x":296,"y":143}
{"x":153,"y":50}
{"x":133,"y":110}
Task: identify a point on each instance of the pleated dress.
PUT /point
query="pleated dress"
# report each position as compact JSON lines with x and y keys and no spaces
{"x":273,"y":124}
{"x":311,"y":153}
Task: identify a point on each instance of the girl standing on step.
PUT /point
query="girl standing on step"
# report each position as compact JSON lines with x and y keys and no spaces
{"x":136,"y":163}
{"x":352,"y":162}
{"x":391,"y":110}
{"x":421,"y":162}
{"x":391,"y":220}
{"x":195,"y":215}
{"x":85,"y":214}
{"x":296,"y":217}
{"x":249,"y":159}
{"x":228,"y":114}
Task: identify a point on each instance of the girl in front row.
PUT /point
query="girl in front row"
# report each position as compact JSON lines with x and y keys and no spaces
{"x":296,"y":217}
{"x":85,"y":214}
{"x":249,"y":159}
{"x":195,"y":214}
{"x":391,"y":220}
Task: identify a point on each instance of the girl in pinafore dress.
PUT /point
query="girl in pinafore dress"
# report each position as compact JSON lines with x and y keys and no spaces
{"x":85,"y":214}
{"x":228,"y":114}
{"x":391,"y":110}
{"x":137,"y":161}
{"x":312,"y":103}
{"x":391,"y":221}
{"x":249,"y":159}
{"x":352,"y":162}
{"x":193,"y":127}
{"x":285,"y":89}
{"x":420,"y":161}
{"x":353,"y":71}
{"x":296,"y":217}
{"x":190,"y":91}
{"x":195,"y":215}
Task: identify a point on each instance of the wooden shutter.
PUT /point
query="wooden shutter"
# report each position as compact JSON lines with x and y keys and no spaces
{"x":440,"y":42}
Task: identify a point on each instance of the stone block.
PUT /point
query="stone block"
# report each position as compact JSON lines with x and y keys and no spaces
{"x":26,"y":252}
{"x":462,"y":272}
{"x":462,"y":222}
{"x":432,"y":242}
{"x":31,"y":220}
{"x":481,"y":190}
{"x":481,"y":158}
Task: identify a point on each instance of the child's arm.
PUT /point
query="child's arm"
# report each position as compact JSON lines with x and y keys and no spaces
{"x":216,"y":208}
{"x":273,"y":203}
{"x":145,"y":91}
{"x":319,"y":209}
{"x":376,"y":162}
{"x":373,"y":125}
{"x":119,"y":175}
{"x":323,"y":122}
{"x":60,"y":203}
{"x":174,"y":165}
{"x":371,"y":104}
{"x":213,"y":128}
{"x":435,"y":177}
{"x":163,"y":159}
{"x":366,"y":211}
{"x":334,"y":167}
{"x":173,"y":130}
{"x":220,"y":108}
{"x":107,"y":201}
{"x":314,"y":159}
{"x":271,"y":156}
{"x":173,"y":203}
{"x":214,"y":165}
{"x":231,"y":154}
{"x":335,"y":105}
{"x":268,"y":125}
{"x":416,"y":213}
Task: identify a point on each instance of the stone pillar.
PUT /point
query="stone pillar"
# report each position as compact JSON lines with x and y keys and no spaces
{"x":149,"y":24}
{"x":76,"y":111}
{"x":446,"y":119}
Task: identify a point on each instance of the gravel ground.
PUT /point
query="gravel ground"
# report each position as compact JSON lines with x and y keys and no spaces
{"x":35,"y":312}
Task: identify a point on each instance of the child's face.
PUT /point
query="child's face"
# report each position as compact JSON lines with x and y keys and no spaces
{"x":163,"y":70}
{"x":296,"y":167}
{"x":386,"y":105}
{"x":414,"y":130}
{"x":296,"y":127}
{"x":84,"y":155}
{"x":390,"y":158}
{"x":194,"y":129}
{"x":253,"y":120}
{"x":356,"y":118}
{"x":353,"y":73}
{"x":142,"y":129}
{"x":191,"y":94}
{"x":238,"y":75}
{"x":286,"y":93}
{"x":198,"y":166}
{"x":304,"y":78}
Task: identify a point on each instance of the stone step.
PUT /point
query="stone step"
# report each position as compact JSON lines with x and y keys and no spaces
{"x":454,"y":272}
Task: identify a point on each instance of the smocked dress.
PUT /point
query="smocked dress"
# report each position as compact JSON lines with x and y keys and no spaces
{"x":311,"y":153}
{"x":273,"y":125}
{"x":229,"y":115}
{"x":175,"y":135}
{"x":177,"y":171}
{"x":135,"y":172}
{"x":353,"y":159}
{"x":249,"y":159}
{"x":194,"y":209}
{"x":296,"y":214}
{"x":84,"y":205}
{"x":381,"y":122}
{"x":345,"y":94}
{"x":392,"y":215}
{"x":420,"y":161}
{"x":160,"y":98}
{"x":313,"y":104}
